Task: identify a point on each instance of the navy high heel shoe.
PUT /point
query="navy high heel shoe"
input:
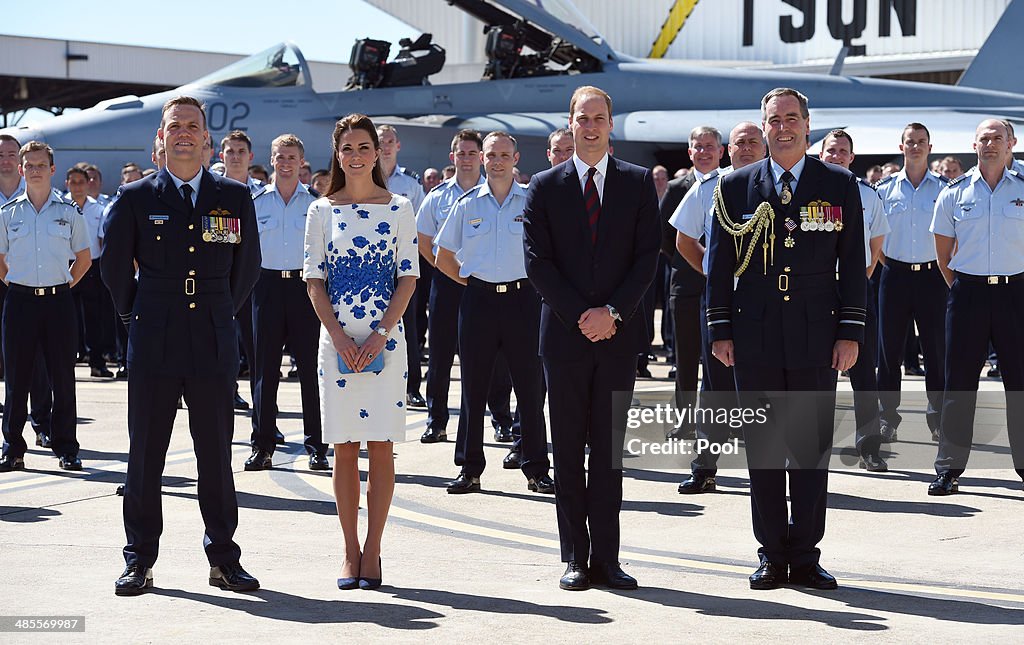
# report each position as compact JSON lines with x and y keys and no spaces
{"x":349,"y":583}
{"x":371,"y":583}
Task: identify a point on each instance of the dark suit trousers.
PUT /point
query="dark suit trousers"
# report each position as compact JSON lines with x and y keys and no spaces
{"x":588,"y":497}
{"x":30,"y":324}
{"x":152,"y":404}
{"x":412,"y":344}
{"x":688,"y":319}
{"x":422,"y":301}
{"x":509,"y":323}
{"x":282,"y":313}
{"x":976,"y":314}
{"x":864,"y":381}
{"x":904,"y":297}
{"x":40,"y":409}
{"x":802,"y":433}
{"x":445,"y":296}
{"x":97,"y":312}
{"x":717,"y":389}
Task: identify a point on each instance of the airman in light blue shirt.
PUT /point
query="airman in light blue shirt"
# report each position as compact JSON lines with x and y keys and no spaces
{"x":694,"y":214}
{"x":39,"y":246}
{"x":437,"y":204}
{"x":487,"y":237}
{"x":909,"y":211}
{"x":282,"y":226}
{"x":988,"y":224}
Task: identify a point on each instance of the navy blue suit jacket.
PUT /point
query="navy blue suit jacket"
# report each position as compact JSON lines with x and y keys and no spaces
{"x":172,"y":332}
{"x":572,"y":274}
{"x":790,"y":314}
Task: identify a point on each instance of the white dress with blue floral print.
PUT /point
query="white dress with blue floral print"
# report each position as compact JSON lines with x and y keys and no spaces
{"x":359,"y":250}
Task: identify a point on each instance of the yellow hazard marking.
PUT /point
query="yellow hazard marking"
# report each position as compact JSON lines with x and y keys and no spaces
{"x":677,"y":16}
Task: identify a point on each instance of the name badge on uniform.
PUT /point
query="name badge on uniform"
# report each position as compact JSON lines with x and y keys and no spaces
{"x":747,"y":216}
{"x":518,"y":219}
{"x":217,"y":227}
{"x":476,"y":221}
{"x":159,"y":219}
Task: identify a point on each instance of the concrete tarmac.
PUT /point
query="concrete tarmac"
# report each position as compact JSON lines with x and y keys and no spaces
{"x":485,"y":567}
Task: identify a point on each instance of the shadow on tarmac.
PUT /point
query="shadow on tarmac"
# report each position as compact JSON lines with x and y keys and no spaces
{"x":26,"y":514}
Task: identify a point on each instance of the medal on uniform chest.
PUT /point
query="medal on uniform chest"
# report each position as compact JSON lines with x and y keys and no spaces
{"x":786,"y":195}
{"x":217,"y":228}
{"x":790,"y":227}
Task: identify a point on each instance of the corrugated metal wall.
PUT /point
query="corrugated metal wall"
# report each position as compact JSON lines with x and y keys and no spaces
{"x":715,"y":28}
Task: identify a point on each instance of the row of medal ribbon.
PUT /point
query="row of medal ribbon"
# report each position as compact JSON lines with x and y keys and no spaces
{"x":222,"y":229}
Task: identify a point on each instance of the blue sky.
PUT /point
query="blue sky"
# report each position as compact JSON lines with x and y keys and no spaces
{"x":325,"y":33}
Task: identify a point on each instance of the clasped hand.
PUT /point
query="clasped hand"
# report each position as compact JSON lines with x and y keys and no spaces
{"x":356,"y":356}
{"x":597,"y":324}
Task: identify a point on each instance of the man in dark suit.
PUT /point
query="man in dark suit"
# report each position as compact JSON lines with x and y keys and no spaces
{"x":592,"y":238}
{"x":192,"y":236}
{"x":685,"y":283}
{"x":787,"y":327}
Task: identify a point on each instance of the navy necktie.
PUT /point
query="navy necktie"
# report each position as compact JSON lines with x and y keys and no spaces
{"x":786,"y":195}
{"x":186,"y":190}
{"x":593,"y":202}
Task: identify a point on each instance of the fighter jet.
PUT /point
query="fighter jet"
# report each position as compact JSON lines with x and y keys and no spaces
{"x":537,"y":54}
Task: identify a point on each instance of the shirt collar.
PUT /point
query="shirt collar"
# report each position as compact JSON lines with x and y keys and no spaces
{"x":52,"y":196}
{"x":399,"y":170}
{"x":796,"y":170}
{"x":582,"y":168}
{"x":517,"y":189}
{"x":976,"y":176}
{"x":902,"y":176}
{"x":453,"y":183}
{"x":194,"y":182}
{"x":272,"y":188}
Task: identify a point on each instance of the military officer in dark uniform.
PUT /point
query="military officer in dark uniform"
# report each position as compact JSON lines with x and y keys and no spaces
{"x":193,"y":236}
{"x":979,"y":232}
{"x":787,"y":326}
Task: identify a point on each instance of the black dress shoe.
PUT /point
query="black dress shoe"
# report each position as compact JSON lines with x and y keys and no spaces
{"x":671,"y":372}
{"x":873,"y":463}
{"x":503,"y":435}
{"x":9,"y":463}
{"x":279,"y":438}
{"x":935,"y":435}
{"x":135,"y":580}
{"x":611,"y":576}
{"x":575,"y":577}
{"x":464,"y":484}
{"x":913,"y":371}
{"x":433,"y":434}
{"x":414,"y":400}
{"x":259,"y":460}
{"x":768,"y":576}
{"x":512,"y":461}
{"x":240,"y":403}
{"x":994,"y":372}
{"x":695,"y":484}
{"x":70,"y":462}
{"x":318,"y":461}
{"x":43,"y":440}
{"x":888,"y":434}
{"x":232,"y":577}
{"x":643,"y":372}
{"x":293,"y":372}
{"x":100,"y":372}
{"x":944,"y":484}
{"x":543,"y":484}
{"x":120,"y":490}
{"x":122,"y":373}
{"x":813,"y":577}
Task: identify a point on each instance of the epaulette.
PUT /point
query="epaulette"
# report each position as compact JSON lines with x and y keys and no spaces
{"x":881,"y":182}
{"x":942,"y":178}
{"x":954,"y":182}
{"x":469,"y":193}
{"x":260,"y":191}
{"x":708,"y":177}
{"x":1013,"y":172}
{"x":861,"y":180}
{"x":411,"y":173}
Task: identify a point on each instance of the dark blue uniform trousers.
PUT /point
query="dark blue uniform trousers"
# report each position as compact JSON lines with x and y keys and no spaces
{"x":864,"y":381}
{"x":718,"y":389}
{"x":32,"y":322}
{"x":412,"y":344}
{"x":243,"y":325}
{"x":40,"y":411}
{"x":906,"y":296}
{"x":588,"y":496}
{"x":976,"y":314}
{"x":97,"y":311}
{"x":509,"y":323}
{"x":282,"y":312}
{"x":796,"y":441}
{"x":445,"y":296}
{"x":152,"y":404}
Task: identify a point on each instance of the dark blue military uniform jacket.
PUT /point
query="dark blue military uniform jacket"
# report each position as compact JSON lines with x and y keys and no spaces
{"x":790,"y":314}
{"x":181,"y":309}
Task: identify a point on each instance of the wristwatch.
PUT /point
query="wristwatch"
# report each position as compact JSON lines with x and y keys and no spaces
{"x":614,"y":312}
{"x":382,"y":330}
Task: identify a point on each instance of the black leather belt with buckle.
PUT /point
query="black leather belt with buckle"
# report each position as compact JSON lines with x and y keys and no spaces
{"x":39,"y":291}
{"x":918,"y":266}
{"x":989,"y":279}
{"x":284,"y":275}
{"x":497,"y":287}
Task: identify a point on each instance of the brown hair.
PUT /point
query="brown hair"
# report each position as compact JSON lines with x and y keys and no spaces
{"x":589,"y":90}
{"x":33,"y":146}
{"x":354,"y":122}
{"x":236,"y":135}
{"x":467,"y":135}
{"x":560,"y":132}
{"x":919,"y":126}
{"x":184,"y":100}
{"x":839,"y":133}
{"x":75,"y":170}
{"x":286,"y":140}
{"x":7,"y":137}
